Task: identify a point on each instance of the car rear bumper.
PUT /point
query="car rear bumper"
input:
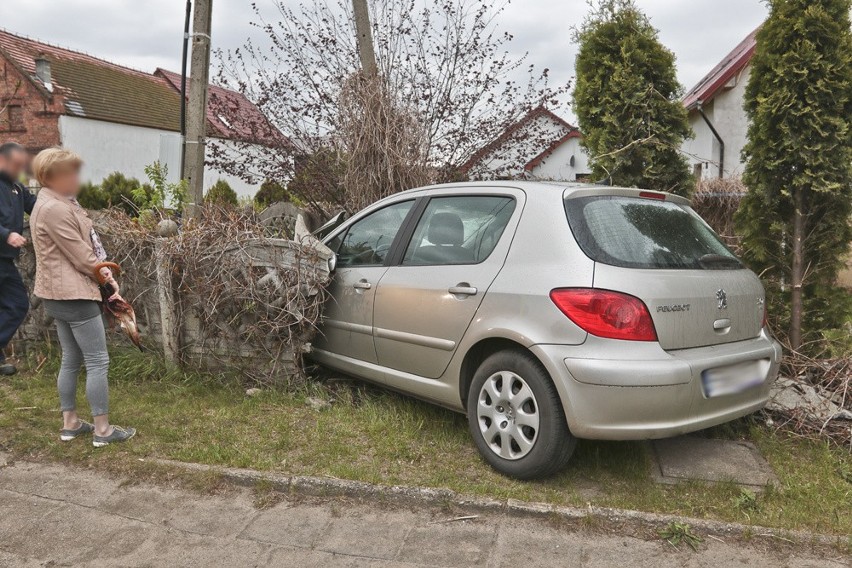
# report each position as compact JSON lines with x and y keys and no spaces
{"x":644,"y":392}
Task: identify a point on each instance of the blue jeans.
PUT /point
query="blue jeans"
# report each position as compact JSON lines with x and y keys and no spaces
{"x":14,"y":302}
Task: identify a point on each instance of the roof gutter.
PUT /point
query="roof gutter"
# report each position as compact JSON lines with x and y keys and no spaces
{"x":718,"y":137}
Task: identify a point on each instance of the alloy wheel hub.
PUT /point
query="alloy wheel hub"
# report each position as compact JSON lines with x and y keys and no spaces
{"x":508,"y":416}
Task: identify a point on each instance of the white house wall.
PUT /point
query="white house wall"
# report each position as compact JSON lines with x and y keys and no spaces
{"x":509,"y":159}
{"x":557,"y":166}
{"x":251,"y":155}
{"x":728,"y":116}
{"x":108,"y":147}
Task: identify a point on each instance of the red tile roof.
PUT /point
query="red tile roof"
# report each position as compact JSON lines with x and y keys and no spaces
{"x":94,"y":88}
{"x":100,"y":90}
{"x":231,"y":114}
{"x":712,"y":83}
{"x":507,"y":134}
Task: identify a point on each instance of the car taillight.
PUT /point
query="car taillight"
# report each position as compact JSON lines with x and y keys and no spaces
{"x":605,"y":313}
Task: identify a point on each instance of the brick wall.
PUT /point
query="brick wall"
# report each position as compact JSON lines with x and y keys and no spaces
{"x":28,"y":115}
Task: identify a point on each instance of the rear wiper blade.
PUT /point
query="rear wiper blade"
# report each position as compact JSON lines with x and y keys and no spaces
{"x":718,"y":260}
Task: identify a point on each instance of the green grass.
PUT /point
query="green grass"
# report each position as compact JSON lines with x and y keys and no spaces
{"x":374,"y":436}
{"x":676,"y":533}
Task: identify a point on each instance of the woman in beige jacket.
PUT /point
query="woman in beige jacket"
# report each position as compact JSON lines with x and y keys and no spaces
{"x":68,"y":251}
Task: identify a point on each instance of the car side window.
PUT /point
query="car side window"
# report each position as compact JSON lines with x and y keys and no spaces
{"x":368,"y":241}
{"x":459,"y":230}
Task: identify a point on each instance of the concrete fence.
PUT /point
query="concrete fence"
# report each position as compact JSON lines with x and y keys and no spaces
{"x":246,"y":306}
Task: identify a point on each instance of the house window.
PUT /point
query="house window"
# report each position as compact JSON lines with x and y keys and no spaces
{"x":697,"y":170}
{"x":14,"y":118}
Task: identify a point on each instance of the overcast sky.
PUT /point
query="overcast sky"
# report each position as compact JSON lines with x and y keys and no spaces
{"x":147,"y":34}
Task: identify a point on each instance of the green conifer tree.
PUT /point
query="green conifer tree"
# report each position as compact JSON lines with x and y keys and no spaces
{"x":795,"y":219}
{"x":627,"y":100}
{"x":221,"y":193}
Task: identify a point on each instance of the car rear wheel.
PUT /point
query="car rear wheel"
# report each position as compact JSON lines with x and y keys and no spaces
{"x":516,"y":417}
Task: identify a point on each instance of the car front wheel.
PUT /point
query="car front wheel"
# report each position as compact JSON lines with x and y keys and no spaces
{"x":516,"y":417}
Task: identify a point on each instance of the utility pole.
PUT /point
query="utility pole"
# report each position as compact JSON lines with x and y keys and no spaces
{"x":195,"y":143}
{"x":184,"y":56}
{"x":364,"y":35}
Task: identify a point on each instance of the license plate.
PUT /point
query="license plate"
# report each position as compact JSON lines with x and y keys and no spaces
{"x":732,"y":379}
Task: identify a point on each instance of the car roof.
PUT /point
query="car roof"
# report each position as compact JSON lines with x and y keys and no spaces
{"x":568,"y":188}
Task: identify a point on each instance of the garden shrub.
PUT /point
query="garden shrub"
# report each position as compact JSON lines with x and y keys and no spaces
{"x":221,"y":194}
{"x":271,"y":192}
{"x":116,"y":190}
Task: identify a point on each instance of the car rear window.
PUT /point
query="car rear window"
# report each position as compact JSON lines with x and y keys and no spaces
{"x":634,"y":232}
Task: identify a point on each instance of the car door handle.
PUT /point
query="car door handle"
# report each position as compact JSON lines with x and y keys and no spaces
{"x":362,"y":285}
{"x":463,"y":289}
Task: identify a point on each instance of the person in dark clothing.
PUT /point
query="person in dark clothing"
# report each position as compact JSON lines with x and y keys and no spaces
{"x":15,"y":200}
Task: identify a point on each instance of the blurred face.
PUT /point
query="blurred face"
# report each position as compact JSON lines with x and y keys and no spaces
{"x":65,"y":181}
{"x":16,"y":164}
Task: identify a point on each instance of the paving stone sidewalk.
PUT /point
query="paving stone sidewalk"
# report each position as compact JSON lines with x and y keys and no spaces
{"x":53,"y":515}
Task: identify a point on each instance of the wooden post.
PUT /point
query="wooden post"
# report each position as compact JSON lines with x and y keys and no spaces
{"x":364,"y":35}
{"x":195,"y":142}
{"x":169,"y":322}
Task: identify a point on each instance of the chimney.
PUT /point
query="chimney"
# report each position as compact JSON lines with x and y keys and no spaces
{"x":42,"y":66}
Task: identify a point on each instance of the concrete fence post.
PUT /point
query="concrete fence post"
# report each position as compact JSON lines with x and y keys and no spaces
{"x":169,"y":320}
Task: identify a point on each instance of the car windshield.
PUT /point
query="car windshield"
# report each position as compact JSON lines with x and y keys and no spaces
{"x":634,"y":232}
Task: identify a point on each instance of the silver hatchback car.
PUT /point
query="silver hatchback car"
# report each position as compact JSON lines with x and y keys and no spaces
{"x":549,"y":312}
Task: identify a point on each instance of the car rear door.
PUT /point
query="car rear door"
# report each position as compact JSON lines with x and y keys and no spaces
{"x":362,"y":259}
{"x":426,"y":300}
{"x":656,"y":248}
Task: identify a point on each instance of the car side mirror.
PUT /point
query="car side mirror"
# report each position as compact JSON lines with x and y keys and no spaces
{"x":331,"y":225}
{"x":332,"y":263}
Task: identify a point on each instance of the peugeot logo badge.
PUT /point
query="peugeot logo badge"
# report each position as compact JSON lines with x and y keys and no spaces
{"x":722,"y":298}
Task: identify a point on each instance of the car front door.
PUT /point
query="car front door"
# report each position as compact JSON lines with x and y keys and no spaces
{"x":426,"y":300}
{"x":362,"y":254}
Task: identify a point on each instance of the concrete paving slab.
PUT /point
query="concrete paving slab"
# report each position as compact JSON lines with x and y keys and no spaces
{"x":602,"y":551}
{"x":702,"y":459}
{"x":463,"y":543}
{"x":70,"y":534}
{"x":301,"y":526}
{"x":532,"y":544}
{"x":9,"y":560}
{"x":21,"y":517}
{"x":714,"y":554}
{"x":836,"y":563}
{"x":36,"y":531}
{"x":302,"y":558}
{"x":376,"y":534}
{"x":17,"y":509}
{"x":178,"y":549}
{"x":191,"y":513}
{"x":53,"y":482}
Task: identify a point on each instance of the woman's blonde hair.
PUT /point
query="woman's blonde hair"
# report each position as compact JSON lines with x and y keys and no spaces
{"x":51,"y":161}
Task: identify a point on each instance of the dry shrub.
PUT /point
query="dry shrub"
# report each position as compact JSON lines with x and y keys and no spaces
{"x":832,"y":380}
{"x":246,"y":302}
{"x":716,"y":200}
{"x":384,"y":143}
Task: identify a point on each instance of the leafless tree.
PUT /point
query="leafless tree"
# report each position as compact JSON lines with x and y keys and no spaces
{"x":446,"y":85}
